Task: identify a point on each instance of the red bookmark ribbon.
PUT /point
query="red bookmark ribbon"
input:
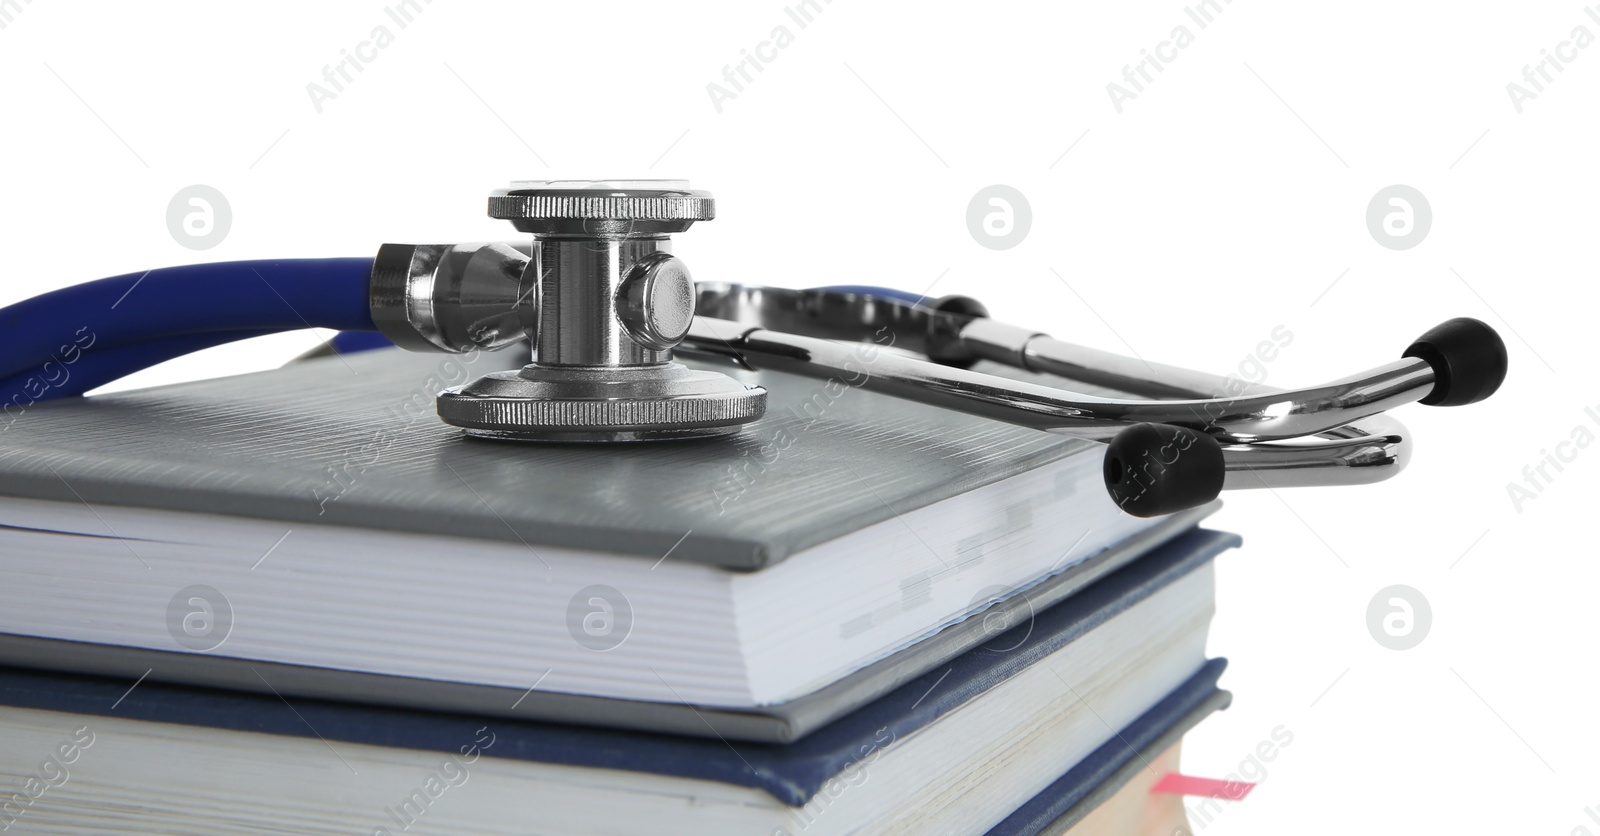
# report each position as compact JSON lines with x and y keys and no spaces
{"x":1173,"y":783}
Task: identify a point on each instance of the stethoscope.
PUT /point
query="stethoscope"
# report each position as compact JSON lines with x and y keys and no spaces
{"x":607,"y":307}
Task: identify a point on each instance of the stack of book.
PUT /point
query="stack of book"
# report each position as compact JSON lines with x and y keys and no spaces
{"x":294,"y":602}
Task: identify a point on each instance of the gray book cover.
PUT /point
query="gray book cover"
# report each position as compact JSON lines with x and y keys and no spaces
{"x":354,"y":441}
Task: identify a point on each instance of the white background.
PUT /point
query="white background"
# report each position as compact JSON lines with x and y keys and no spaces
{"x":1227,"y":199}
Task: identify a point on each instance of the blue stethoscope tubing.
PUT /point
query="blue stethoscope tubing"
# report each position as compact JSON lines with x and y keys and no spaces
{"x":70,"y":341}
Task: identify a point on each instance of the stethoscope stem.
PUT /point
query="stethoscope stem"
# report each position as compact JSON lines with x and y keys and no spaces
{"x":1242,"y":420}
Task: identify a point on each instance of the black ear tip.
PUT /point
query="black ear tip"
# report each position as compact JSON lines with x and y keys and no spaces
{"x":1468,"y":359}
{"x":1156,"y":469}
{"x":963,"y":305}
{"x":944,"y":338}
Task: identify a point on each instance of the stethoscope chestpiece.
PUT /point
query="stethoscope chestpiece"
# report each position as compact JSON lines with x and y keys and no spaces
{"x":606,"y":305}
{"x":605,"y":302}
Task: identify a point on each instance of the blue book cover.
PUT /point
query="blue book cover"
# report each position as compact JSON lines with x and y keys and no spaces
{"x":793,"y":773}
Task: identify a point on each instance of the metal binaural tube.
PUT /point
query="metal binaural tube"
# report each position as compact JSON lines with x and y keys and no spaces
{"x":1360,"y":461}
{"x":1036,"y":351}
{"x":1247,"y":418}
{"x":1370,"y":450}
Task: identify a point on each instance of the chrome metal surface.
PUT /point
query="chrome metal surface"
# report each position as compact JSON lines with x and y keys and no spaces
{"x":452,"y":297}
{"x":540,"y":403}
{"x":1367,"y":450}
{"x":608,"y":304}
{"x":1364,"y":450}
{"x":656,"y":301}
{"x":827,"y":314}
{"x":1233,"y":419}
{"x":1360,"y":461}
{"x":580,"y":286}
{"x":601,"y":207}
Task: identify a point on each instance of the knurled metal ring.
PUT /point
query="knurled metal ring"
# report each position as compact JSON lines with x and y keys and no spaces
{"x":591,"y":204}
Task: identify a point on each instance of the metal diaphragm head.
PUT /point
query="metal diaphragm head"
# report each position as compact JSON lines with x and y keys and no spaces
{"x":612,"y":302}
